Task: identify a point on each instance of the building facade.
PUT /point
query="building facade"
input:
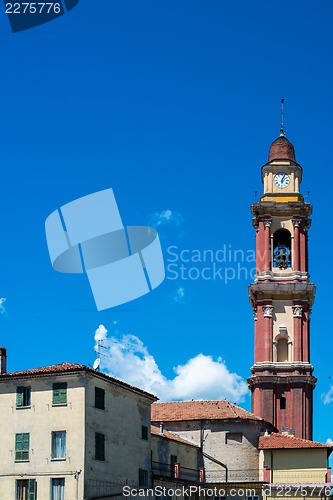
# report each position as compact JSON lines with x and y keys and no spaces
{"x":282,"y":297}
{"x":69,"y":432}
{"x":227,"y":436}
{"x":294,"y":467}
{"x":175,"y":461}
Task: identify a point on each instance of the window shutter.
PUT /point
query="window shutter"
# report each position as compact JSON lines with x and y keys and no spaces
{"x":99,"y":446}
{"x":143,"y":477}
{"x":59,"y":396}
{"x":99,"y":398}
{"x":32,"y":489}
{"x":144,"y":432}
{"x":19,"y":396}
{"x":22,"y":444}
{"x":55,"y":399}
{"x":25,"y":446}
{"x":18,"y":446}
{"x":63,"y":395}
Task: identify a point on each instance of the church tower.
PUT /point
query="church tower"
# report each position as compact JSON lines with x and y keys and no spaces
{"x":282,"y":296}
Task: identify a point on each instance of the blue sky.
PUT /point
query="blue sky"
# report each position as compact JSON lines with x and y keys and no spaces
{"x":174,"y":105}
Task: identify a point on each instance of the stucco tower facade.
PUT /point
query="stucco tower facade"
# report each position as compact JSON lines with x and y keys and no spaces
{"x":282,"y":296}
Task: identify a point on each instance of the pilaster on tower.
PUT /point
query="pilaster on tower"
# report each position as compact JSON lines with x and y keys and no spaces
{"x":282,"y":297}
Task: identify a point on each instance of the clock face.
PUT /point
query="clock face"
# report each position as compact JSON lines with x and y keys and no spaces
{"x":282,"y":180}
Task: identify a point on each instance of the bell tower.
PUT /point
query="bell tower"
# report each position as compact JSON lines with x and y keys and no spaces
{"x":282,"y":296}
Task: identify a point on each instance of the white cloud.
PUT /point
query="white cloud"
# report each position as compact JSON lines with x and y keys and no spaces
{"x":2,"y":306}
{"x":328,"y":396}
{"x":329,"y":441}
{"x":100,"y":333}
{"x":128,"y":359}
{"x":166,"y":217}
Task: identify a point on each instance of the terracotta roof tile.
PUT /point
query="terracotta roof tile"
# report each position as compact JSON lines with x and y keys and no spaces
{"x":281,"y":149}
{"x":155,"y":430}
{"x":71,"y":367}
{"x":280,"y":441}
{"x":199,"y":410}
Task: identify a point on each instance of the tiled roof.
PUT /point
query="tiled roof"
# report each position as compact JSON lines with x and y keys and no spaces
{"x":63,"y":368}
{"x":281,"y":149}
{"x":277,"y":441}
{"x":155,"y":430}
{"x":199,"y":410}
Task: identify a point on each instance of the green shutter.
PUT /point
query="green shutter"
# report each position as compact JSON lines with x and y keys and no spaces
{"x":144,"y":432}
{"x":32,"y":489}
{"x":19,"y":396}
{"x":143,"y":477}
{"x":99,"y":446}
{"x":99,"y":398}
{"x":59,"y":393}
{"x":22,"y":445}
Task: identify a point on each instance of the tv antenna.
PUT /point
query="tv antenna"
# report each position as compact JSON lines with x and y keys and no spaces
{"x":282,"y":118}
{"x":98,"y":349}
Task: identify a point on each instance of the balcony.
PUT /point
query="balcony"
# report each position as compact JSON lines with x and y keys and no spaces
{"x":175,"y":472}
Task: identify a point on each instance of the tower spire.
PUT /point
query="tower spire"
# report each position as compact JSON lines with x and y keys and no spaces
{"x":282,"y":124}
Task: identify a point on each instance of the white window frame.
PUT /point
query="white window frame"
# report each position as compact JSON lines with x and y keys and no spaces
{"x":56,"y":452}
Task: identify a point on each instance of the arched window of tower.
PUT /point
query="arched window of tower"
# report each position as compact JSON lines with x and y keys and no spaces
{"x":282,"y":249}
{"x":282,"y":350}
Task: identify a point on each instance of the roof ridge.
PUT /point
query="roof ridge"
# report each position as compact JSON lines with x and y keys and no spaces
{"x":175,"y":435}
{"x":66,"y":367}
{"x":277,"y":440}
{"x":291,"y":436}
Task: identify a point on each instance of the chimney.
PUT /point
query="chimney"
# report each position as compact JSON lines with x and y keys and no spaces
{"x":161,"y":427}
{"x":3,"y":360}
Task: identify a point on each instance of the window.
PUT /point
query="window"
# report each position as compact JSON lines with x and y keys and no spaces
{"x":143,"y":477}
{"x":233,"y":437}
{"x":22,"y":443}
{"x":59,"y":396}
{"x":58,"y":489}
{"x":26,"y":489}
{"x":282,"y":350}
{"x":99,"y":446}
{"x":173,"y":461}
{"x":23,"y":397}
{"x":144,"y":432}
{"x":283,"y":403}
{"x":58,"y":445}
{"x":282,"y":249}
{"x":99,"y":398}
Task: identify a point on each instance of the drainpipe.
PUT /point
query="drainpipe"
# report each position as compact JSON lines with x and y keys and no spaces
{"x":77,"y":477}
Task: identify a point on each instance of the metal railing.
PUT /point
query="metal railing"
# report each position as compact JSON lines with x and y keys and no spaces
{"x":232,"y":476}
{"x":176,"y":471}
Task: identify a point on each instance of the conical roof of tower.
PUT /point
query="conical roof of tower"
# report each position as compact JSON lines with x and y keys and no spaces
{"x":281,"y":149}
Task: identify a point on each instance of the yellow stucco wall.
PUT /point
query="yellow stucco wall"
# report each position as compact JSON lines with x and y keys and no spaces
{"x":299,"y":466}
{"x":40,"y":420}
{"x":290,"y":468}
